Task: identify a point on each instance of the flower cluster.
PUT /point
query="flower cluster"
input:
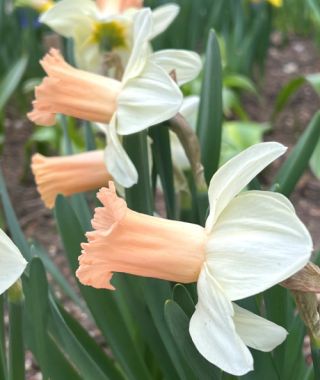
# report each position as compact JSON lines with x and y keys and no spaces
{"x":251,"y":240}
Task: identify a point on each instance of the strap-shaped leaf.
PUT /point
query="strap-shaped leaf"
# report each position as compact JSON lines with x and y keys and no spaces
{"x":296,"y":163}
{"x":209,"y":125}
{"x":178,"y":323}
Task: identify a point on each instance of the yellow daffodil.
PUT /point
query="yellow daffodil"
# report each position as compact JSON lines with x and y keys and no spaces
{"x":40,"y":6}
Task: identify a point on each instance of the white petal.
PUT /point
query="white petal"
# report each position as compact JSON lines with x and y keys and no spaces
{"x":186,"y":64}
{"x":69,"y":18}
{"x":142,"y":26}
{"x":233,"y":176}
{"x":163,"y":17}
{"x":87,"y":55}
{"x":257,"y":242}
{"x":12,"y":263}
{"x":117,"y":161}
{"x":178,"y":153}
{"x":213,"y":331}
{"x":257,"y":332}
{"x":147,"y":100}
{"x":189,"y":107}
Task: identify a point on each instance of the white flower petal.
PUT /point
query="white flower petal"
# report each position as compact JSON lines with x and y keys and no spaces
{"x":87,"y":55}
{"x":213,"y":331}
{"x":142,"y":26}
{"x":12,"y":263}
{"x":233,"y":176}
{"x":189,"y":108}
{"x":147,"y":100}
{"x":117,"y":161}
{"x":257,"y":242}
{"x":257,"y":332}
{"x":70,"y":19}
{"x":186,"y":64}
{"x":163,"y":17}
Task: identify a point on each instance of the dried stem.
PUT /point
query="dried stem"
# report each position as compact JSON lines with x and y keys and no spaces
{"x":306,"y":280}
{"x":190,"y":143}
{"x":111,"y":61}
{"x":307,"y":304}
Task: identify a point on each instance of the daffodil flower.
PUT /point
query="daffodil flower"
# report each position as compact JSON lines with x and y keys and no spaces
{"x":12,"y":263}
{"x":275,"y":3}
{"x":251,"y":241}
{"x":40,"y":6}
{"x":69,"y":175}
{"x":104,"y":26}
{"x":145,"y":96}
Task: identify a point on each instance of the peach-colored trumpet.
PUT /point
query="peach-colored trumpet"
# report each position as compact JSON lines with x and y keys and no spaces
{"x":73,"y":92}
{"x":127,"y":241}
{"x":68,"y":175}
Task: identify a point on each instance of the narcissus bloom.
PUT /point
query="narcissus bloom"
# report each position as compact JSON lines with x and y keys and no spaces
{"x":104,"y":26}
{"x":145,"y":96}
{"x":251,"y":241}
{"x":68,"y":175}
{"x":39,"y":5}
{"x":12,"y":263}
{"x":276,"y":3}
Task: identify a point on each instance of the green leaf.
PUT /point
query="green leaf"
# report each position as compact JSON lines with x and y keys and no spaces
{"x":77,"y":353}
{"x":315,"y":353}
{"x":11,"y":80}
{"x":178,"y":324}
{"x":38,"y":251}
{"x":285,"y":93}
{"x":102,"y":303}
{"x":183,"y":298}
{"x":37,"y":311}
{"x":162,"y":159}
{"x":3,"y":363}
{"x":240,"y":135}
{"x":96,"y":352}
{"x":296,"y":163}
{"x":294,"y":365}
{"x":240,"y":82}
{"x":277,"y":310}
{"x":89,"y":136}
{"x":315,"y":160}
{"x":137,"y":149}
{"x":289,"y":89}
{"x":209,"y":126}
{"x":16,"y":336}
{"x":47,"y":323}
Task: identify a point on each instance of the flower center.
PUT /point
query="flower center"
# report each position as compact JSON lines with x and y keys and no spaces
{"x":109,"y":35}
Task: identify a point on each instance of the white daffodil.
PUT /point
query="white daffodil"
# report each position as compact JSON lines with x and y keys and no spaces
{"x":146,"y":95}
{"x":12,"y":264}
{"x":252,"y":240}
{"x":104,"y":26}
